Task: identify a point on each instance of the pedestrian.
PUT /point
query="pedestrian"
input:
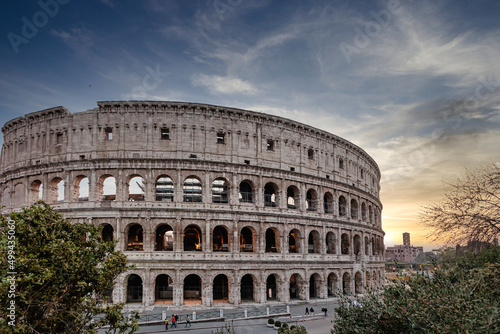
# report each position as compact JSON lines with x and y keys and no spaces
{"x":188,"y":322}
{"x":326,"y":312}
{"x":311,"y":310}
{"x":176,"y":320}
{"x":307,"y":311}
{"x":166,"y":324}
{"x":173,"y":322}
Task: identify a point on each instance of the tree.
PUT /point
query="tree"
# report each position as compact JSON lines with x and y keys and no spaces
{"x":57,"y":274}
{"x":461,"y":297}
{"x":470,"y":210}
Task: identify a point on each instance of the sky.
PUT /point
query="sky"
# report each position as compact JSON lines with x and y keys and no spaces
{"x":414,"y":83}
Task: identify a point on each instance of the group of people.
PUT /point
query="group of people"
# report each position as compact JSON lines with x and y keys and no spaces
{"x":175,"y":318}
{"x":311,"y":311}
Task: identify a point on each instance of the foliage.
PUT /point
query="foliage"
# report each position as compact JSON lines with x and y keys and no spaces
{"x":292,"y":330}
{"x":459,"y":298}
{"x":63,"y":273}
{"x":470,"y":210}
{"x":227,"y":329}
{"x":277,"y":324}
{"x":270,"y":321}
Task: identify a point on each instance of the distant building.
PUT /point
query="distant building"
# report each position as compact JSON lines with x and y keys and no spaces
{"x":405,"y":252}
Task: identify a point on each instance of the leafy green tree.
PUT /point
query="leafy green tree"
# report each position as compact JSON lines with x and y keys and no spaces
{"x":463,"y":296}
{"x":292,"y":330}
{"x":63,"y":273}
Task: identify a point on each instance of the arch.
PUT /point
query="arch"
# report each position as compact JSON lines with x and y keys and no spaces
{"x":246,"y":192}
{"x":313,"y":243}
{"x":164,"y":238}
{"x":135,"y":186}
{"x":331,"y":243}
{"x":220,"y":288}
{"x":292,"y":197}
{"x":358,"y":283}
{"x":247,"y":288}
{"x":346,"y":284}
{"x":164,"y":290}
{"x":81,"y":188}
{"x":220,"y":193}
{"x":374,"y":251}
{"x":247,"y":239}
{"x":192,"y":289}
{"x":164,"y":189}
{"x":19,"y":195}
{"x":342,"y":206}
{"x":220,"y":239}
{"x":272,"y":287}
{"x":192,"y":189}
{"x":36,"y":191}
{"x":354,"y":209}
{"x":106,"y":188}
{"x":311,"y":200}
{"x":345,"y":244}
{"x":108,"y":233}
{"x":370,"y":214}
{"x":134,"y":289}
{"x":272,"y":240}
{"x":367,"y":241}
{"x":6,"y":197}
{"x":368,"y":282}
{"x":294,"y":241}
{"x":271,"y":195}
{"x":328,"y":202}
{"x":332,"y":285}
{"x":314,"y":285}
{"x":56,"y":190}
{"x":192,"y":238}
{"x":135,"y":238}
{"x":357,"y":244}
{"x":363,"y":211}
{"x":295,"y":285}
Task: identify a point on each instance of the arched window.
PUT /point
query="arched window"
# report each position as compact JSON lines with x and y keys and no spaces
{"x":135,"y":238}
{"x":106,"y":188}
{"x":220,"y":288}
{"x":192,"y":238}
{"x":354,"y":209}
{"x":295,"y":287}
{"x":36,"y":191}
{"x":346,"y":284}
{"x":56,"y":190}
{"x":220,"y":239}
{"x":342,"y":206}
{"x":313,"y":242}
{"x":134,"y":289}
{"x":270,"y":195}
{"x":136,"y":188}
{"x":330,"y":243}
{"x":192,"y":289}
{"x":367,"y":241}
{"x":247,"y":288}
{"x":358,"y":283}
{"x":311,"y":200}
{"x":164,"y":290}
{"x":164,"y":189}
{"x":332,"y":285}
{"x":108,"y":233}
{"x":292,"y":197}
{"x":363,"y":211}
{"x":328,"y":202}
{"x":345,"y":244}
{"x":164,"y":238}
{"x":246,"y":192}
{"x":294,"y":241}
{"x":246,"y":240}
{"x":271,"y":244}
{"x":220,"y":192}
{"x":192,"y":190}
{"x":314,"y":285}
{"x":370,"y":214}
{"x":81,"y":188}
{"x":271,"y":287}
{"x":357,"y":244}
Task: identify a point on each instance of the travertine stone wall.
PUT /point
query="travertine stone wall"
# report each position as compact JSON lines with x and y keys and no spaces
{"x":312,"y":208}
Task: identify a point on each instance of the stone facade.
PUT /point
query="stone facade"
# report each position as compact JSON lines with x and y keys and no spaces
{"x":213,"y":205}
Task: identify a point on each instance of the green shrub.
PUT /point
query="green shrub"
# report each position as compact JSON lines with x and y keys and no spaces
{"x":277,"y":324}
{"x":270,"y":321}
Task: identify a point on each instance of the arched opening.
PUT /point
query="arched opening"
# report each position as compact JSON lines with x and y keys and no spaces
{"x":363,"y":211}
{"x":295,"y":285}
{"x":345,"y":244}
{"x":270,"y":195}
{"x":135,"y":238}
{"x":164,"y":238}
{"x":342,"y":206}
{"x":192,"y":289}
{"x":246,"y":240}
{"x":332,"y":285}
{"x":221,"y":288}
{"x":164,"y":189}
{"x":134,"y":289}
{"x":346,"y":284}
{"x":247,"y":288}
{"x":220,"y":192}
{"x":271,"y":242}
{"x":80,"y":189}
{"x":328,"y":202}
{"x":370,"y":214}
{"x":136,"y":189}
{"x":354,"y":209}
{"x":368,"y":280}
{"x":330,"y":243}
{"x":271,"y":288}
{"x":294,"y":241}
{"x":311,"y":200}
{"x":313,"y":242}
{"x":373,"y":247}
{"x":107,"y":233}
{"x":314,"y":286}
{"x":192,"y":238}
{"x":220,"y":239}
{"x":292,"y":197}
{"x":358,"y":283}
{"x":192,"y":190}
{"x":56,"y":193}
{"x":246,"y":192}
{"x":36,"y":191}
{"x":357,"y":244}
{"x":164,"y":290}
{"x":106,"y":188}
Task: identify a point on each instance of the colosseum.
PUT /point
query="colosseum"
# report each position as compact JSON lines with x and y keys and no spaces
{"x":214,"y":205}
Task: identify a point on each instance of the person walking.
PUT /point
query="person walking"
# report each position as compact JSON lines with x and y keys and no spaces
{"x":307,"y":311}
{"x":166,"y":324}
{"x":173,"y":322}
{"x":188,"y":322}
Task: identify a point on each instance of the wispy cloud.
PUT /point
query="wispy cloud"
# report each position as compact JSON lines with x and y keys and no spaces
{"x":224,"y":85}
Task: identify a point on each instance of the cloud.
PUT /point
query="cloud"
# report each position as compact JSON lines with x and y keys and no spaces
{"x":224,"y":85}
{"x":78,"y":39}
